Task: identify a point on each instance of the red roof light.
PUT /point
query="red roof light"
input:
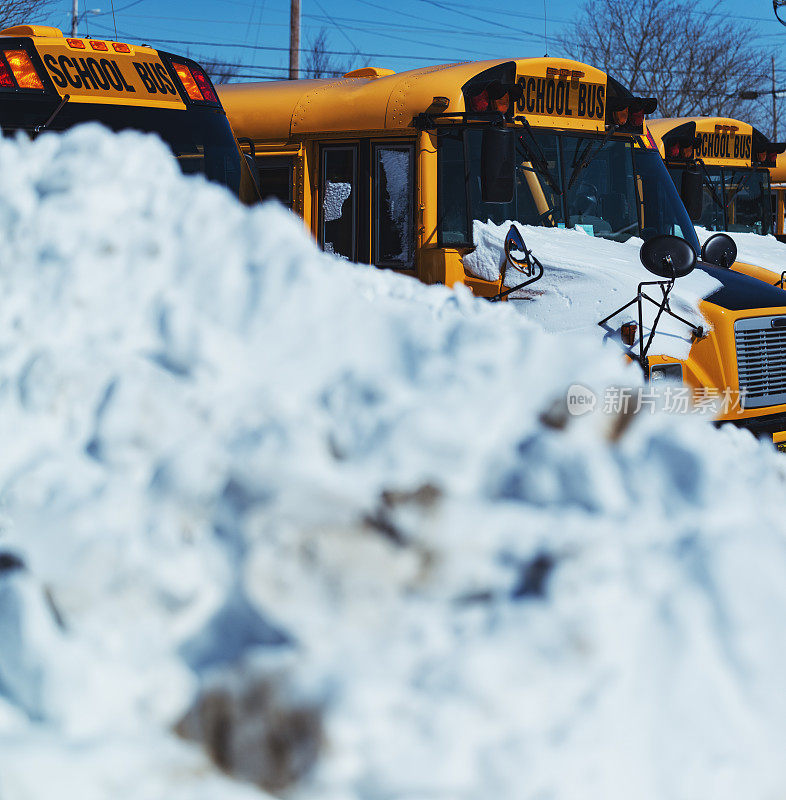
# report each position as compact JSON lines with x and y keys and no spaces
{"x":6,"y":79}
{"x":204,"y":85}
{"x":480,"y":102}
{"x":637,"y":117}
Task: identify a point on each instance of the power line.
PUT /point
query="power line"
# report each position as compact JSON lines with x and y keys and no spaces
{"x":364,"y":26}
{"x":274,"y":48}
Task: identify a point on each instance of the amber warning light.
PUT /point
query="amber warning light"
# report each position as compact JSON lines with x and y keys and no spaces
{"x":17,"y":71}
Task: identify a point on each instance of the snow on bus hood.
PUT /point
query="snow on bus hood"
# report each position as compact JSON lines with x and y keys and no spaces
{"x":585,"y":279}
{"x":754,"y":248}
{"x":339,"y":527}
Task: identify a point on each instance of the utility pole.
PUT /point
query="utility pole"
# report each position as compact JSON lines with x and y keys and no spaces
{"x":74,"y":18}
{"x":294,"y":40}
{"x":774,"y":109}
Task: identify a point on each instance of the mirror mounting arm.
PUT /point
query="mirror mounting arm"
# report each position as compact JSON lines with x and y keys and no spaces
{"x":529,"y":265}
{"x":663,"y":307}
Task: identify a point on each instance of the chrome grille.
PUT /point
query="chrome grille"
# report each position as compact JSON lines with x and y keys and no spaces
{"x":761,"y":360}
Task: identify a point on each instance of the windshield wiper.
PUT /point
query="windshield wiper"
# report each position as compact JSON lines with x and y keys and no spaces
{"x":60,"y":107}
{"x":587,"y":157}
{"x":537,"y":157}
{"x":708,"y":183}
{"x":740,"y":186}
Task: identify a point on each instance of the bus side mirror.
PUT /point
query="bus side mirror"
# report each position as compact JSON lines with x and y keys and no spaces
{"x":720,"y":250}
{"x":692,"y":192}
{"x":497,"y":176}
{"x":667,"y":257}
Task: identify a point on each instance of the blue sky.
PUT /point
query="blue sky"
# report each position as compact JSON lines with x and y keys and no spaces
{"x":399,"y":35}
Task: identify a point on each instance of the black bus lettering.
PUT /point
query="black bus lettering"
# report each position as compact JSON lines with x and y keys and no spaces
{"x":162,"y":73}
{"x":568,"y":109}
{"x":582,"y":107}
{"x":111,"y":75}
{"x":66,"y":62}
{"x":98,"y":74}
{"x":601,"y":106}
{"x":80,"y":65}
{"x":550,"y":91}
{"x":146,"y":80}
{"x":591,"y":93}
{"x":160,"y":87}
{"x":119,"y":75}
{"x":559,"y":100}
{"x":540,"y":96}
{"x":531,"y":95}
{"x":57,"y":74}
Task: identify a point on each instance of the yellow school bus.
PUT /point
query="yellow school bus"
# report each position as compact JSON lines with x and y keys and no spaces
{"x":733,"y":161}
{"x":50,"y":83}
{"x":388,"y":169}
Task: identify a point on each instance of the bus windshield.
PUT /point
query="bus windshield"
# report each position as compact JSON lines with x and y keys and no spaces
{"x":736,"y":199}
{"x":607,"y":187}
{"x":200,"y":139}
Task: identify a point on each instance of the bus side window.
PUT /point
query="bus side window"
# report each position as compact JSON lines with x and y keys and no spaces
{"x":394,"y":190}
{"x":275,"y":178}
{"x":338,"y":201}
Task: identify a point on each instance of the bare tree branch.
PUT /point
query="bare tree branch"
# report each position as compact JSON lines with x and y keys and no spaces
{"x":666,"y":49}
{"x":220,"y":71}
{"x":19,"y":12}
{"x":319,"y":62}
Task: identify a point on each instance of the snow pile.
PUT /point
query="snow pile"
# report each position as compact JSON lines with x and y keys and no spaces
{"x":586,"y":279}
{"x":339,"y":529}
{"x":754,"y":248}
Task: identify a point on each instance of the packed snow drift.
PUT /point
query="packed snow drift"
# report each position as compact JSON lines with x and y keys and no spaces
{"x":276,"y":523}
{"x":586,"y":279}
{"x":754,"y":248}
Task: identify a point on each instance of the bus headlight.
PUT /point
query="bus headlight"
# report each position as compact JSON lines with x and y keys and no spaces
{"x":666,"y":372}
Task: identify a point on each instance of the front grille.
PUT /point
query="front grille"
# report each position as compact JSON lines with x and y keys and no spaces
{"x":761,"y":360}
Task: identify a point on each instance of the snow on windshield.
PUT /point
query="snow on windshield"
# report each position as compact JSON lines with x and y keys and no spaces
{"x":272,"y":519}
{"x":585,"y":279}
